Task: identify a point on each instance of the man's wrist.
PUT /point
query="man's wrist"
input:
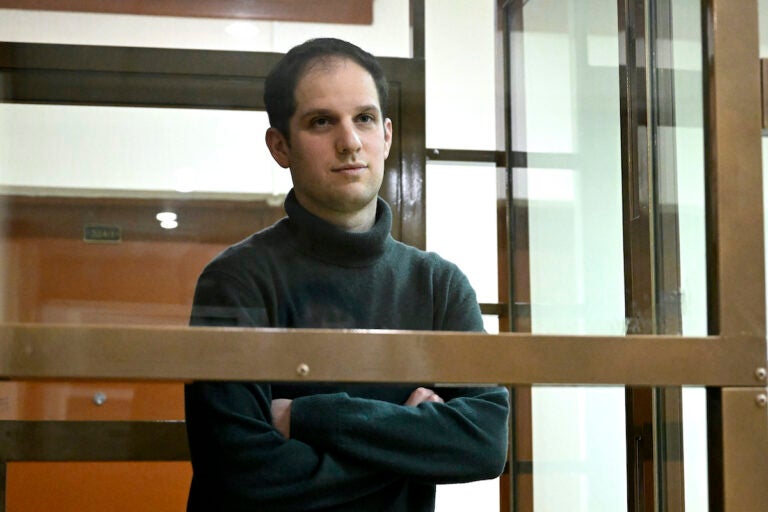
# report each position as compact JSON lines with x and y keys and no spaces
{"x":281,"y":416}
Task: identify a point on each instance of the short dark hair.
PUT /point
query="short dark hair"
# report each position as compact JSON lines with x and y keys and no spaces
{"x":280,"y":86}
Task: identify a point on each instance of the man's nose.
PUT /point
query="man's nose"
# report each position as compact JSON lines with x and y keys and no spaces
{"x":348,"y":140}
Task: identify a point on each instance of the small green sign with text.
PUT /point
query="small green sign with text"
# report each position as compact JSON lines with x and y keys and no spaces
{"x":102,"y":234}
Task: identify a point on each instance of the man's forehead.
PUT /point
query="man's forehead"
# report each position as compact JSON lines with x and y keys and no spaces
{"x":316,"y":89}
{"x":327,"y":63}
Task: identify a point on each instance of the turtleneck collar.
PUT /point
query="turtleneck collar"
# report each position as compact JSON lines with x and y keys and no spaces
{"x":332,"y":244}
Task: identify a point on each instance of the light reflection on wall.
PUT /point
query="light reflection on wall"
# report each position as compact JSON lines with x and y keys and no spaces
{"x":138,"y":149}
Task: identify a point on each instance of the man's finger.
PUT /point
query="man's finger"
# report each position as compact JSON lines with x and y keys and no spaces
{"x":435,"y":398}
{"x":420,"y":395}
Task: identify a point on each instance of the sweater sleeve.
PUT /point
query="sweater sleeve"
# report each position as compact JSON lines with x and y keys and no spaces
{"x":240,"y":461}
{"x":461,"y":440}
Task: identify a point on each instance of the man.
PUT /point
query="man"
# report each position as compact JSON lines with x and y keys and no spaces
{"x":333,"y":264}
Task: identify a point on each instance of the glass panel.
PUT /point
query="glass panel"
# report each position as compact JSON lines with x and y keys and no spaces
{"x":388,"y":35}
{"x":573,"y":188}
{"x":687,"y":135}
{"x":578,"y":449}
{"x":106,"y":165}
{"x":461,"y":221}
{"x":136,"y":151}
{"x":482,"y":496}
{"x":695,"y":461}
{"x":460,"y":76}
{"x":461,"y":227}
{"x":571,"y":134}
{"x":83,"y":188}
{"x":70,"y":150}
{"x":571,"y":108}
{"x":681,"y":163}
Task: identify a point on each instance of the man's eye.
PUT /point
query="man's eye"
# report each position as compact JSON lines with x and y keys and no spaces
{"x":320,"y":122}
{"x":366,"y":118}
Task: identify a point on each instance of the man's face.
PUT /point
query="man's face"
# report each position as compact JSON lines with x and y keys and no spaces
{"x":338,"y":140}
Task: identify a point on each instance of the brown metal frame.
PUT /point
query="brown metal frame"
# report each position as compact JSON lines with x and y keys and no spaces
{"x":734,"y":168}
{"x":181,"y":353}
{"x":651,"y":248}
{"x":516,"y":291}
{"x":736,"y":267}
{"x":638,"y":232}
{"x":731,"y":361}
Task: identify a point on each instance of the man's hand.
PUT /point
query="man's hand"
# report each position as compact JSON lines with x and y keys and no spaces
{"x":281,"y":408}
{"x":281,"y":416}
{"x":420,"y":395}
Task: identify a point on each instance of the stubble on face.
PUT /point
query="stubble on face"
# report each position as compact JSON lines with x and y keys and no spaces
{"x":338,"y":143}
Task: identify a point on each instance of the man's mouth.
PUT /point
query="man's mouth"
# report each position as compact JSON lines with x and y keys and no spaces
{"x":350,"y":167}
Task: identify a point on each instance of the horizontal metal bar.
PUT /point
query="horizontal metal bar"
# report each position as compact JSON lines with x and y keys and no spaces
{"x":88,"y":59}
{"x":184,"y":353}
{"x":466,"y":155}
{"x":520,"y":309}
{"x":93,"y":441}
{"x":520,"y":159}
{"x":493,"y":308}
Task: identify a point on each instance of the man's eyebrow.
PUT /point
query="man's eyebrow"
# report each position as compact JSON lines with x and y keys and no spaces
{"x":329,"y":112}
{"x":316,"y":111}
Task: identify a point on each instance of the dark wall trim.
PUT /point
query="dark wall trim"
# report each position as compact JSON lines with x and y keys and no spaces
{"x":317,"y":11}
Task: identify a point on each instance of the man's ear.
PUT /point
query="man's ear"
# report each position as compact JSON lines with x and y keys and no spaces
{"x":387,"y":136}
{"x":278,"y":147}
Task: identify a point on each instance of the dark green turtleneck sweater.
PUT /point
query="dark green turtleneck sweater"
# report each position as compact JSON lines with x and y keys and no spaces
{"x":352,"y":447}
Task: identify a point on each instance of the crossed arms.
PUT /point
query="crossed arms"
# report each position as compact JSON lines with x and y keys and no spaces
{"x":341,"y":447}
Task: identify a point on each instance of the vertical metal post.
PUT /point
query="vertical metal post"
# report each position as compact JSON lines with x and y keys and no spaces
{"x":745,"y":449}
{"x":651,"y":245}
{"x":3,"y":483}
{"x":737,"y":421}
{"x":507,"y":485}
{"x":516,"y":289}
{"x":736,"y":296}
{"x":418,"y":43}
{"x":518,"y":285}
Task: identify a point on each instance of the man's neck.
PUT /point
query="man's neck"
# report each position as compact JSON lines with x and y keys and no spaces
{"x":358,"y":221}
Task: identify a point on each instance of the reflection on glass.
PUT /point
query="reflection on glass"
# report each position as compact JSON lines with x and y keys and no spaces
{"x":109,"y":214}
{"x":136,"y":150}
{"x":460,"y":74}
{"x":461,"y":227}
{"x":159,"y":179}
{"x":684,"y":140}
{"x":571,"y":109}
{"x":461,"y":221}
{"x":695,"y":461}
